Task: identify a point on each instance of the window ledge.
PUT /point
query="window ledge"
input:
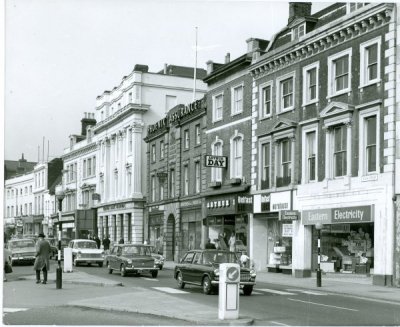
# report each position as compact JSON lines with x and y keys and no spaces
{"x":269,"y":117}
{"x":339,"y":93}
{"x":285,"y":110}
{"x":214,"y":184}
{"x":236,"y":113}
{"x":377,"y":82}
{"x":309,"y":103}
{"x":235,"y":181}
{"x":217,"y":120}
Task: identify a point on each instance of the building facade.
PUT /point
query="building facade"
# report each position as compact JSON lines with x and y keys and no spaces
{"x":324,"y":146}
{"x":176,"y":178}
{"x":123,"y":114}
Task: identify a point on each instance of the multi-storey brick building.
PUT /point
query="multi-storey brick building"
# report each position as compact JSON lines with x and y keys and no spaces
{"x":324,"y":141}
{"x":176,"y":178}
{"x":228,"y":147}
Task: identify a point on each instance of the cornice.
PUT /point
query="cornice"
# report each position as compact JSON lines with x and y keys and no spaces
{"x":319,"y":42}
{"x":80,"y":151}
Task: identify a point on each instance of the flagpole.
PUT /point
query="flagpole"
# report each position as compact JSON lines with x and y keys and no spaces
{"x":195,"y":70}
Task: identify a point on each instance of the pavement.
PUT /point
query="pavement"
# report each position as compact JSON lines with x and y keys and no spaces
{"x":147,"y":301}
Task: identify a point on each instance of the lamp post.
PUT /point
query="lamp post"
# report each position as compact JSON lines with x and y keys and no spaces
{"x":60,"y":196}
{"x":318,"y":227}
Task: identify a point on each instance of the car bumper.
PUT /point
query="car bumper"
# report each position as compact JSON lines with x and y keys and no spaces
{"x":89,"y":260}
{"x":23,"y":259}
{"x":216,"y":282}
{"x":139,"y":269}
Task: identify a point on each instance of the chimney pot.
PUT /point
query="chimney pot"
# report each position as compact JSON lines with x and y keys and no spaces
{"x":227,"y":57}
{"x":210,"y":66}
{"x":165,"y":69}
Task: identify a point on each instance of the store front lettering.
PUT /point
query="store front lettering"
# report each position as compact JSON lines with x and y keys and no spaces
{"x":338,"y":215}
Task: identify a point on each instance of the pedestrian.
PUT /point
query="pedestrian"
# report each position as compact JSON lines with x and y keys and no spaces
{"x":106,"y":243}
{"x":121,"y":241}
{"x":210,"y":245}
{"x":244,"y":259}
{"x":232,"y":242}
{"x":97,"y":240}
{"x":42,"y":261}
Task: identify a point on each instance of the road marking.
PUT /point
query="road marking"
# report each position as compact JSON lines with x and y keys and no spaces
{"x":305,"y":291}
{"x":279,"y":323}
{"x":268,"y":290}
{"x":10,"y":310}
{"x":170,"y":290}
{"x":152,"y":279}
{"x":256,"y":293}
{"x":324,"y":305}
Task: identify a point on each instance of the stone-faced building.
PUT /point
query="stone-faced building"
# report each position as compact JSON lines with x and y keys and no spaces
{"x":324,"y":142}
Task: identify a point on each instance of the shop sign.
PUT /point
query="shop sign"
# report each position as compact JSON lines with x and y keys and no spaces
{"x":244,"y":204}
{"x":352,"y":215}
{"x":287,"y":230}
{"x":261,"y":202}
{"x":215,"y":161}
{"x":215,"y":220}
{"x":289,"y":215}
{"x":185,"y":111}
{"x":338,"y":215}
{"x":281,"y":201}
{"x":190,"y":203}
{"x":20,"y":223}
{"x":114,"y":206}
{"x":221,"y":206}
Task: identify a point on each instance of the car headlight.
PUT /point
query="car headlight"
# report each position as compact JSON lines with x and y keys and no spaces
{"x":216,"y":272}
{"x":253,"y":273}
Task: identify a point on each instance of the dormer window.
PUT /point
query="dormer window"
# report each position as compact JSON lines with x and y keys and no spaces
{"x":298,"y":31}
{"x":353,"y":6}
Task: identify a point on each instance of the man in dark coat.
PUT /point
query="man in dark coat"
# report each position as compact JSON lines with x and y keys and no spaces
{"x":106,"y":243}
{"x":42,"y":261}
{"x":97,"y":240}
{"x":210,"y":245}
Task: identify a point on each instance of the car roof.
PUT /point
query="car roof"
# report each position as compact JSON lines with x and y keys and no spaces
{"x":135,"y":244}
{"x":83,"y":240}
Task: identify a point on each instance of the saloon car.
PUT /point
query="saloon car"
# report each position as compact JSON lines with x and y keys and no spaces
{"x":158,"y":258}
{"x":131,"y":258}
{"x":86,"y":251}
{"x":201,"y":268}
{"x":23,"y":250}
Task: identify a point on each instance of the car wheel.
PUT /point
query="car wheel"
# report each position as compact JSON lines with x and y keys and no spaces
{"x":247,"y":290}
{"x":179,"y":279}
{"x":110,"y":271}
{"x":100,"y":264}
{"x":154,"y":273}
{"x":123,"y":271}
{"x":207,"y":288}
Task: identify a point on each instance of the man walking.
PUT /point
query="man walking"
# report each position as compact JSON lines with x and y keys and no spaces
{"x":106,"y":244}
{"x":42,"y":261}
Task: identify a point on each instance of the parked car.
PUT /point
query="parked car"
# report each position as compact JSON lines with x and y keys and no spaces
{"x":131,"y":258}
{"x":54,"y":247}
{"x":86,"y":251}
{"x":158,"y":258}
{"x":23,"y":250}
{"x":201,"y":267}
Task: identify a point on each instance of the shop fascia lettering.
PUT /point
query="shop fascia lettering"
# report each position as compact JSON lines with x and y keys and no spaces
{"x":350,"y":214}
{"x":245,"y":199}
{"x":219,"y":204}
{"x":338,"y":215}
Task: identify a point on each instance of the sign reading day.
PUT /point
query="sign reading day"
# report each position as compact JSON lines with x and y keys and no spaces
{"x":215,"y":161}
{"x":359,"y":214}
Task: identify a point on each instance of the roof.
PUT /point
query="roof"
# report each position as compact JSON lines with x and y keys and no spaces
{"x":182,"y":71}
{"x":11,"y":167}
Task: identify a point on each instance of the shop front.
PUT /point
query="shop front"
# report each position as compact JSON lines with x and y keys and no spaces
{"x":347,"y":238}
{"x":272,"y":231}
{"x":191,"y":225}
{"x":156,"y":228}
{"x":67,"y":225}
{"x":227,"y":220}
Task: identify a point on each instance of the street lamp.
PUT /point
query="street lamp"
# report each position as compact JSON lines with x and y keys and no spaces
{"x":318,"y":227}
{"x":60,"y":196}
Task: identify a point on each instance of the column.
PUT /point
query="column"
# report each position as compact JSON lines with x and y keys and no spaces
{"x":125,"y":223}
{"x":105,"y":225}
{"x":107,"y":171}
{"x":137,"y":128}
{"x":118,"y":223}
{"x":111,"y":228}
{"x":100,"y":227}
{"x":137,"y":225}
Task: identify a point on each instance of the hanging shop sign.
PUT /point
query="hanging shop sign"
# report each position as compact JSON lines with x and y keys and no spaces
{"x":287,"y":230}
{"x":244,"y":203}
{"x":289,"y":215}
{"x":262,"y":202}
{"x":281,"y":201}
{"x":215,"y":161}
{"x":361,"y":214}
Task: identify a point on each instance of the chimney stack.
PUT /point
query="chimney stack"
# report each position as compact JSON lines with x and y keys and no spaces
{"x":210,"y":66}
{"x":88,"y":120}
{"x":299,"y":9}
{"x":165,"y":68}
{"x":227,"y":57}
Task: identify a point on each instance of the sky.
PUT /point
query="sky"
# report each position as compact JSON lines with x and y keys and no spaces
{"x":61,"y":54}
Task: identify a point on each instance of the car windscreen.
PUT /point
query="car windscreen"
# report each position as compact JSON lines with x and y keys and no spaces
{"x":21,"y":244}
{"x":86,"y":245}
{"x":139,"y":250}
{"x":219,"y":257}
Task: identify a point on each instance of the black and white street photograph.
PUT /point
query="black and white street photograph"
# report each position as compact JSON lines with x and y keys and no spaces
{"x":200,"y":163}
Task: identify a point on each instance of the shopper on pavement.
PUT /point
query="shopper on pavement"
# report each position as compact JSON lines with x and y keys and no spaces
{"x":106,"y":243}
{"x":97,"y":240}
{"x":42,"y":261}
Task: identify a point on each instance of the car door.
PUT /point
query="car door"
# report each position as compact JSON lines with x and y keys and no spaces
{"x":112,"y":258}
{"x":194,"y":269}
{"x":186,"y":265}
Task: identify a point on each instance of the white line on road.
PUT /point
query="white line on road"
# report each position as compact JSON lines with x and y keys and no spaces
{"x":9,"y":310}
{"x":268,"y":290}
{"x":170,"y":290}
{"x":278,"y":323}
{"x":306,"y":292}
{"x":152,"y":279}
{"x":324,"y":305}
{"x":256,"y":293}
